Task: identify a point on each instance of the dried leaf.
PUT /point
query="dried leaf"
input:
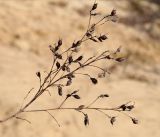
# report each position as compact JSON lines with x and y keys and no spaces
{"x":78,"y":59}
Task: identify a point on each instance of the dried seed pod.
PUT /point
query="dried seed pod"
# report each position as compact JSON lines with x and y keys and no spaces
{"x":88,"y":34}
{"x":63,"y":67}
{"x":94,"y":6}
{"x":74,"y":92}
{"x":76,"y":96}
{"x":80,"y":107}
{"x":93,"y":39}
{"x":86,"y":120}
{"x":102,"y":75}
{"x":130,"y":107}
{"x":70,"y":59}
{"x":69,"y":82}
{"x":60,"y":90}
{"x":78,"y":43}
{"x":104,"y":95}
{"x":121,"y":59}
{"x":113,"y":12}
{"x":123,"y":107}
{"x":59,"y":42}
{"x":38,"y":74}
{"x":101,"y":38}
{"x":94,"y":80}
{"x":112,"y":120}
{"x":58,"y":56}
{"x":78,"y":59}
{"x":67,"y":69}
{"x":58,"y":65}
{"x":52,"y":49}
{"x":135,"y":121}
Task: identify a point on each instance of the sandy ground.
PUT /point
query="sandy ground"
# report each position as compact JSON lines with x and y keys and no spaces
{"x":28,"y":27}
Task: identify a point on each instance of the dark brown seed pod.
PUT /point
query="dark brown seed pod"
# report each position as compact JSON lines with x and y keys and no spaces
{"x":74,"y":92}
{"x":94,"y":80}
{"x":58,"y":56}
{"x":70,"y":59}
{"x":58,"y":65}
{"x":76,"y":96}
{"x":80,"y":107}
{"x":63,"y":67}
{"x":78,"y":43}
{"x":104,"y":95}
{"x":51,"y":48}
{"x":135,"y":121}
{"x":69,"y":82}
{"x":60,"y":90}
{"x":123,"y":107}
{"x":78,"y":59}
{"x":86,"y":120}
{"x":113,"y":12}
{"x":93,"y":39}
{"x":38,"y":74}
{"x":103,"y":37}
{"x":121,"y":59}
{"x":94,"y":6}
{"x":112,"y":120}
{"x":130,"y":107}
{"x":59,"y":42}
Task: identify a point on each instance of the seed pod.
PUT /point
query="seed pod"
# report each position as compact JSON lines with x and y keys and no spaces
{"x":51,"y":48}
{"x":76,"y":96}
{"x":58,"y":65}
{"x":60,"y":90}
{"x":104,"y":95}
{"x":58,"y":56}
{"x":80,"y":107}
{"x":38,"y":74}
{"x":79,"y":59}
{"x":113,"y":12}
{"x":94,"y":6}
{"x":135,"y":121}
{"x":86,"y":120}
{"x":63,"y":67}
{"x":68,"y":69}
{"x":74,"y":92}
{"x":78,"y":43}
{"x":69,"y":82}
{"x":59,"y":42}
{"x":70,"y":59}
{"x":130,"y":107}
{"x":93,"y":39}
{"x":120,"y":59}
{"x":94,"y":81}
{"x":112,"y":120}
{"x":123,"y":107}
{"x":103,"y":37}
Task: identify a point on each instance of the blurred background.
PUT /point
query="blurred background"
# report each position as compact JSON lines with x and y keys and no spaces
{"x":27,"y":27}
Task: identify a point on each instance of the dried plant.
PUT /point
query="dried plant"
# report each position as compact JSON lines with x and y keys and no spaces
{"x":62,"y":73}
